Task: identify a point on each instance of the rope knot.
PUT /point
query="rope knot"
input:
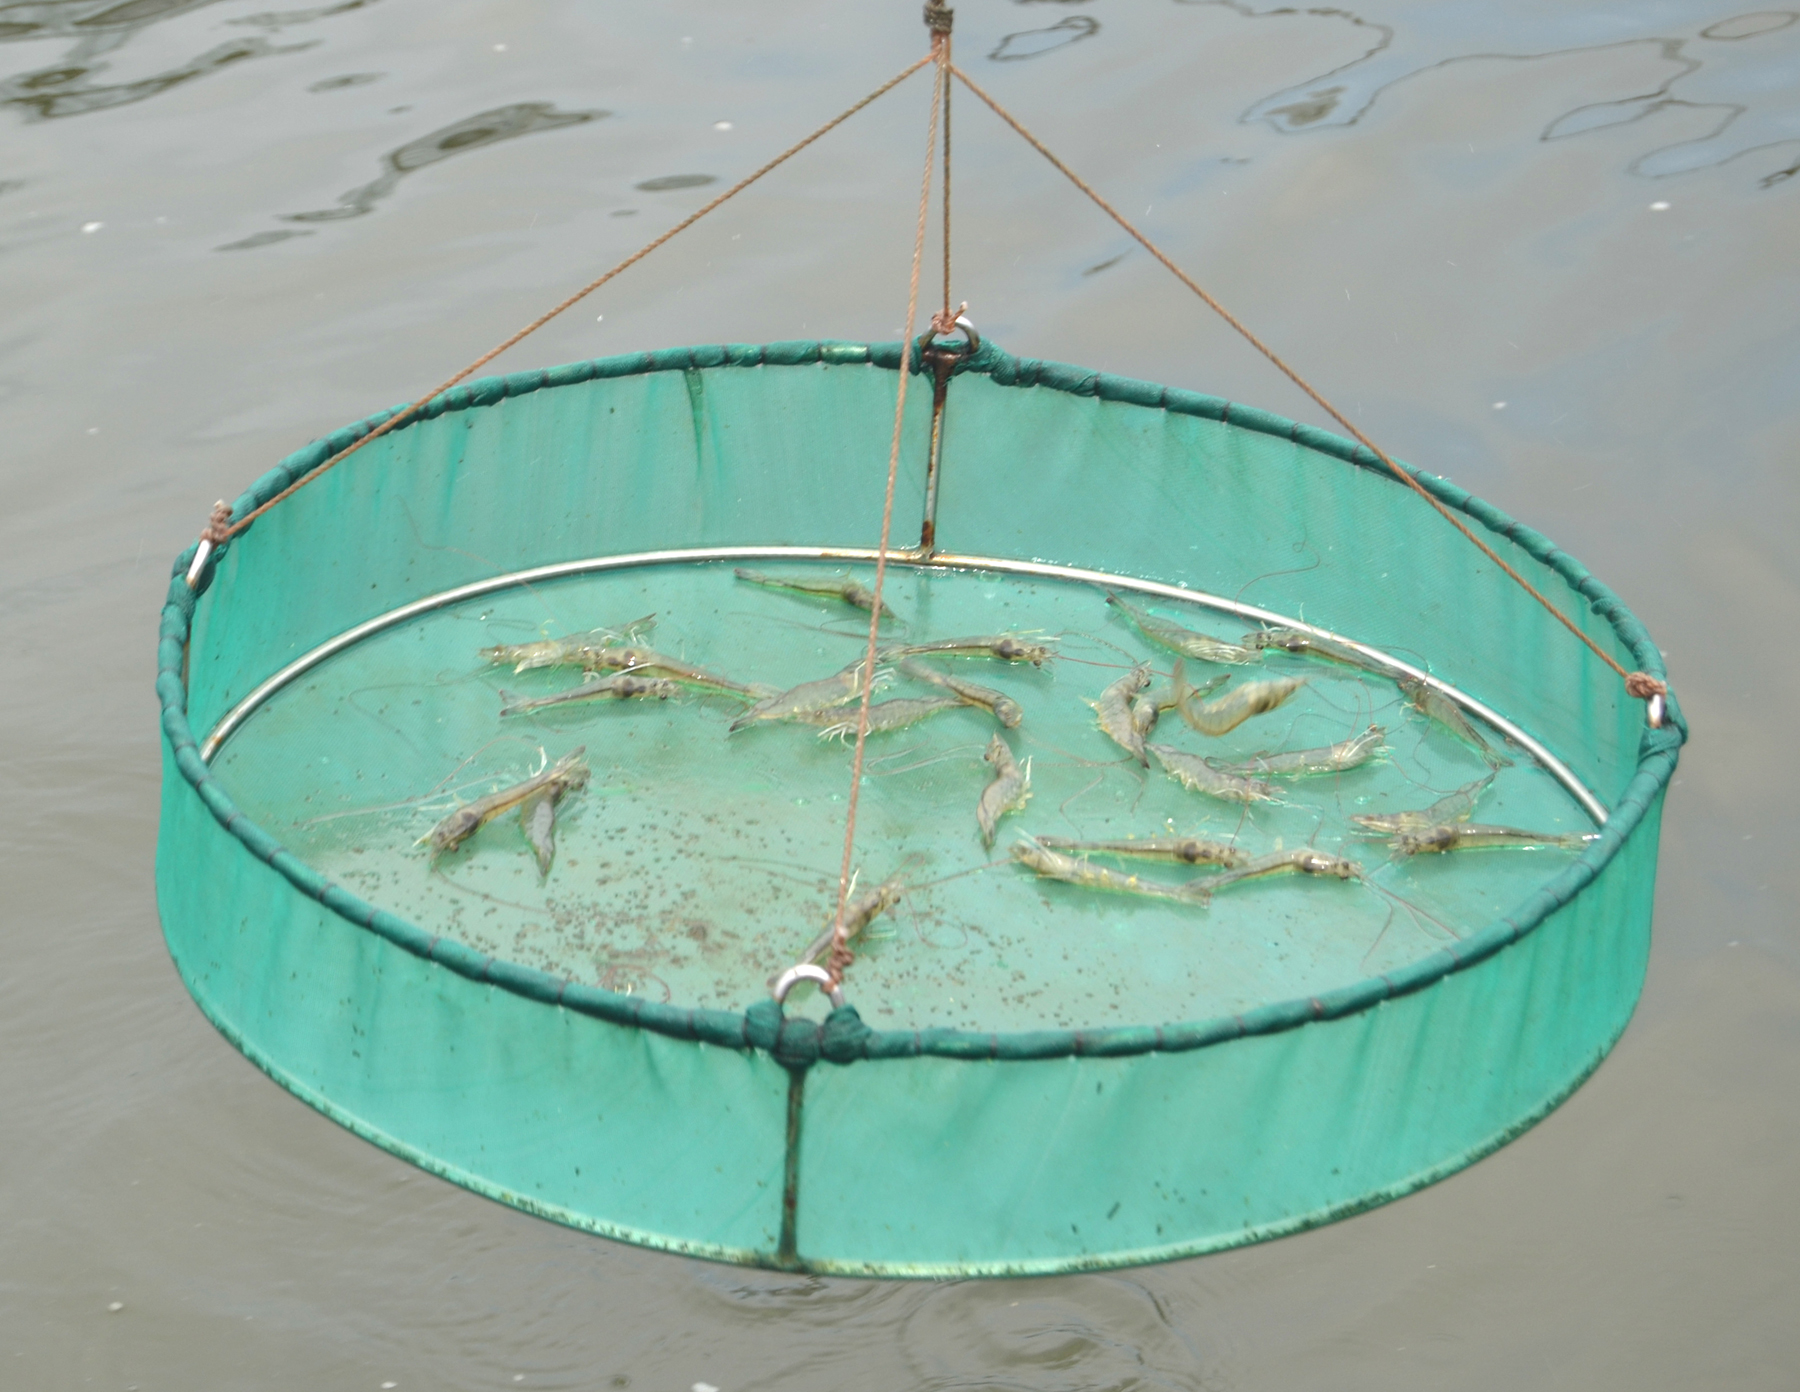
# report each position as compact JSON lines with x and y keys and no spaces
{"x":938,"y":16}
{"x":218,"y":526}
{"x":943,"y":323}
{"x":1643,"y":686}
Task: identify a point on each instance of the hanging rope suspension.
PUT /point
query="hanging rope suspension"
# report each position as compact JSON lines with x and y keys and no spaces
{"x":1640,"y":685}
{"x":400,"y":418}
{"x":841,"y":956}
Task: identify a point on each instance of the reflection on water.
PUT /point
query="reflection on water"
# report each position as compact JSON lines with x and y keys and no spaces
{"x":75,"y":18}
{"x":68,"y":89}
{"x":470,"y":133}
{"x":1748,"y":89}
{"x":1094,"y":1332}
{"x":71,"y":85}
{"x":675,"y":181}
{"x":280,"y":18}
{"x":355,"y":79}
{"x":1749,"y":26}
{"x":265,"y":1248}
{"x":1031,"y":42}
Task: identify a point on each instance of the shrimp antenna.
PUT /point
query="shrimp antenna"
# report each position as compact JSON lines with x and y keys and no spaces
{"x":1413,"y":911}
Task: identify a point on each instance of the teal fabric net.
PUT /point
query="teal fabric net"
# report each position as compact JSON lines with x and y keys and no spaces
{"x":1028,"y":1075}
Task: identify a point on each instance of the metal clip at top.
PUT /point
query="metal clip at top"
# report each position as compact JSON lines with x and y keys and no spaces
{"x":200,"y":556}
{"x":807,"y":971}
{"x":215,"y":533}
{"x":961,"y":324}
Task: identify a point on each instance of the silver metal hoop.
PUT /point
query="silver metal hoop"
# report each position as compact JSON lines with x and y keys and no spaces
{"x":807,"y":971}
{"x":200,"y":555}
{"x":970,"y":333}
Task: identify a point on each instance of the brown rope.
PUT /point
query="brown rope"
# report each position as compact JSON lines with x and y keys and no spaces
{"x":1640,"y":684}
{"x":401,"y":417}
{"x":841,"y":955}
{"x":945,"y":314}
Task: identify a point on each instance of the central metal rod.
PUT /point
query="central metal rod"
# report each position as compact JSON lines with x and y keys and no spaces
{"x":940,"y":361}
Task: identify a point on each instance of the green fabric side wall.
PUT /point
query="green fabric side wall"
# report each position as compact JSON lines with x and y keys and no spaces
{"x":716,"y":457}
{"x":1186,"y":500}
{"x":1178,"y":449}
{"x":493,"y":1088}
{"x":1073,"y":1164}
{"x":621,"y":1131}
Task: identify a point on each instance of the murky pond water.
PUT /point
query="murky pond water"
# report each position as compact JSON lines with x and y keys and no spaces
{"x":1543,"y":249}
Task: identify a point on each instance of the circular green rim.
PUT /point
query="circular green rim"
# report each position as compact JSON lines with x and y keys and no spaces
{"x":842,"y":1037}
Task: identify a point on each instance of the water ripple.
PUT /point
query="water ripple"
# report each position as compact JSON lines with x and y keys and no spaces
{"x":99,"y":28}
{"x":1031,"y":43}
{"x":470,"y":133}
{"x":1092,"y":1334}
{"x":1747,"y":86}
{"x":67,"y":89}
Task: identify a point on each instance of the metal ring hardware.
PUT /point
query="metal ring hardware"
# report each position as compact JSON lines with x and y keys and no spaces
{"x":807,"y":971}
{"x":970,"y":333}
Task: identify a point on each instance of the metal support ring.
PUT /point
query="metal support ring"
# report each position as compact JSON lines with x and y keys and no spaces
{"x":970,"y":333}
{"x":216,"y":531}
{"x":193,"y":571}
{"x":807,"y":971}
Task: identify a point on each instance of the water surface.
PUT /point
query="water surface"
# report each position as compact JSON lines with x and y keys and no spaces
{"x":1545,"y":249}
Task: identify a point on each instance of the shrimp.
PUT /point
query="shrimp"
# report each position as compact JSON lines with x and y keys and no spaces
{"x":1192,"y":771}
{"x":843,"y":587}
{"x":796,"y":703}
{"x":1144,"y":712}
{"x":537,"y":819}
{"x":1333,"y":758}
{"x":1302,"y":643}
{"x":1188,"y":850}
{"x":632,"y":658}
{"x":1004,"y":708}
{"x":1147,"y":706}
{"x":1453,"y":807}
{"x":1117,"y":717}
{"x":1431,"y":703}
{"x":620,"y":685}
{"x":612,"y":657}
{"x":1238,"y":704}
{"x":572,"y":651}
{"x":689,"y":675}
{"x":1462,"y":836}
{"x":1007,"y":793}
{"x":859,"y":913}
{"x":1302,"y":860}
{"x":1184,"y":641}
{"x":883,"y":715}
{"x":567,"y":774}
{"x":1053,"y":865}
{"x":1009,"y":647}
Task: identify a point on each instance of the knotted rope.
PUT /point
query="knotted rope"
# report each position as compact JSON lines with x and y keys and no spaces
{"x":218,"y":527}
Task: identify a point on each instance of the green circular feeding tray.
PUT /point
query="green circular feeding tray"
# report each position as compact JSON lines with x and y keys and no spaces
{"x":1028,"y":1075}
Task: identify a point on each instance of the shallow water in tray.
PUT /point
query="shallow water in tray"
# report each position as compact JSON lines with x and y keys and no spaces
{"x":697,"y":862}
